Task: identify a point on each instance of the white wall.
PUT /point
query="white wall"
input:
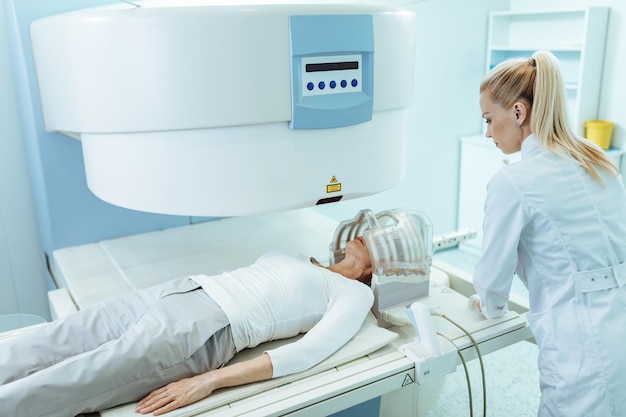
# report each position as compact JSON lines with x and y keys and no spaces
{"x":451,"y":63}
{"x":22,"y":277}
{"x":452,"y":39}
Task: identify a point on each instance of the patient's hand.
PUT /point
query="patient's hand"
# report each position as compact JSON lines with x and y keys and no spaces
{"x":175,"y":395}
{"x":188,"y":391}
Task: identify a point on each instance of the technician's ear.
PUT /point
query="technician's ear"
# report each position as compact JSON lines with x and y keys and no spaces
{"x":521,"y":112}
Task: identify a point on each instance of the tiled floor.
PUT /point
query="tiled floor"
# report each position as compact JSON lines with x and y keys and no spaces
{"x":511,"y":375}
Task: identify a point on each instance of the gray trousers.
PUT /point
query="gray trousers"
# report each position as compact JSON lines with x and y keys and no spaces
{"x":115,"y":352}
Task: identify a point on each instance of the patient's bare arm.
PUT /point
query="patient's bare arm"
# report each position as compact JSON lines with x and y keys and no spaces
{"x":189,"y":390}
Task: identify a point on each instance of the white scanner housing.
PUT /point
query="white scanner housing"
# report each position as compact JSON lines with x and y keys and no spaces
{"x":220,"y":108}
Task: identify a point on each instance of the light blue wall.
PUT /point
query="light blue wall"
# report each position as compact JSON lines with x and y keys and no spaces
{"x":67,"y":212}
{"x":22,"y":284}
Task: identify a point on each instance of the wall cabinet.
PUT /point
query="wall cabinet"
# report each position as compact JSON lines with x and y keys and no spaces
{"x":576,"y":37}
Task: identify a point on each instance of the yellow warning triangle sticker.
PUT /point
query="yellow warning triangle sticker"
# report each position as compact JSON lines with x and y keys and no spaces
{"x":333,"y":180}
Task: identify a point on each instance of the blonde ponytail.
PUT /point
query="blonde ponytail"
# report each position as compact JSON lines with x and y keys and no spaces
{"x":549,"y":119}
{"x":538,"y":82}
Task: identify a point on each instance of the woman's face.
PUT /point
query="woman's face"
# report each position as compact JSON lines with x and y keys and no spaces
{"x":502,"y":125}
{"x":357,"y":249}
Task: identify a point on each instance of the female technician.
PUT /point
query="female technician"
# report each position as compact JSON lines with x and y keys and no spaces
{"x":557,"y":218}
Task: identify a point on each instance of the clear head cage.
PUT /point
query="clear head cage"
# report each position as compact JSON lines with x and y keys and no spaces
{"x":400,"y":244}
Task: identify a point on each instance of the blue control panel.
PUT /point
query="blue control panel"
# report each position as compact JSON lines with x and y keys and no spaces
{"x":332,"y":67}
{"x":335,"y":75}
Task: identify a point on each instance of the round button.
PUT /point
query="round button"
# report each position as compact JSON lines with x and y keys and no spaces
{"x":321,"y":85}
{"x":355,"y":83}
{"x":310,"y":86}
{"x":344,"y":83}
{"x":333,"y":84}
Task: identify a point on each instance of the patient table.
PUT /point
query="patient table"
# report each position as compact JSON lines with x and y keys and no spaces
{"x":368,"y":367}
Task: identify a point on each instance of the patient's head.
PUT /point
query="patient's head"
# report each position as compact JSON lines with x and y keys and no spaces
{"x":358,"y":250}
{"x":356,"y":263}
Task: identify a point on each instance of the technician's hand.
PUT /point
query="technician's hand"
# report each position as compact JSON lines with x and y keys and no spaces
{"x":175,"y":395}
{"x":474,"y":303}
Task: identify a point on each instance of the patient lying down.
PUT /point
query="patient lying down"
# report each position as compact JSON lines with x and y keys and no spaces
{"x":168,"y":345}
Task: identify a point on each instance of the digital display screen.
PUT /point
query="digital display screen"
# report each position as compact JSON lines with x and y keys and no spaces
{"x":332,"y":66}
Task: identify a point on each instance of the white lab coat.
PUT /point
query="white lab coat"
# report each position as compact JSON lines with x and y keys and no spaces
{"x":565,"y":236}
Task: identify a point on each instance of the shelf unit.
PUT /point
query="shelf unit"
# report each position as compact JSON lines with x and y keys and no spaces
{"x":575,"y":36}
